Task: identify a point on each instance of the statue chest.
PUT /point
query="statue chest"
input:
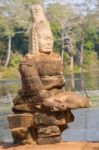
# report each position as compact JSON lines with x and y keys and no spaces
{"x":47,"y":65}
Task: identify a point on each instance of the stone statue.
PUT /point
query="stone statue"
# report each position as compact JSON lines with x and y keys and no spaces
{"x":42,"y":108}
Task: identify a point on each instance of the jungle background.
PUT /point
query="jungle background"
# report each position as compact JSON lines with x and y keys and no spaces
{"x":75,"y":27}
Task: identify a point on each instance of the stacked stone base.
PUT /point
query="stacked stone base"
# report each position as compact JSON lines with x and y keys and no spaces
{"x":42,"y":128}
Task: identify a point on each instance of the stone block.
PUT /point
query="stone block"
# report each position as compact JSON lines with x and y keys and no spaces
{"x":24,"y":108}
{"x":48,"y":131}
{"x":20,"y":120}
{"x":49,"y":119}
{"x":48,"y":140}
{"x":21,"y":136}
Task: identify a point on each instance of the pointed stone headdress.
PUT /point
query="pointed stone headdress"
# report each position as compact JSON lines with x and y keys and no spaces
{"x":39,"y":30}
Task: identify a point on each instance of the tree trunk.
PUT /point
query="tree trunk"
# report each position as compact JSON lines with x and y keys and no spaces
{"x":62,"y":36}
{"x":81,"y":67}
{"x":81,"y":54}
{"x":81,"y":63}
{"x":72,"y":72}
{"x":8,"y":52}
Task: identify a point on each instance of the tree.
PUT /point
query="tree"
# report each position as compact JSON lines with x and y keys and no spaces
{"x":64,"y":17}
{"x":61,"y":17}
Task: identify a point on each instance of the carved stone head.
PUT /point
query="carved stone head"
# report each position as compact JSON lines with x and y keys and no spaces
{"x":41,"y":40}
{"x":45,"y":40}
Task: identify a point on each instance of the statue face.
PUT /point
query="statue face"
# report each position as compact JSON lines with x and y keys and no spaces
{"x":45,"y":42}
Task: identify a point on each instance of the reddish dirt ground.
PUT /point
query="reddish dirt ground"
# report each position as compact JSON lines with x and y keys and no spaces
{"x":59,"y":146}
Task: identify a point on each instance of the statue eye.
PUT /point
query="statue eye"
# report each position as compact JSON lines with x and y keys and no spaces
{"x":48,"y":37}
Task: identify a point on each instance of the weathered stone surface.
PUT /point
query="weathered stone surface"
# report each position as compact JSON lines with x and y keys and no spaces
{"x":48,"y":140}
{"x":48,"y":131}
{"x":42,"y":65}
{"x":18,"y":100}
{"x":40,"y":74}
{"x":20,"y":120}
{"x":38,"y":77}
{"x":52,"y":82}
{"x":23,"y":108}
{"x":69,"y":116}
{"x":49,"y":66}
{"x":21,"y":136}
{"x":49,"y":119}
{"x":62,"y":128}
{"x":32,"y":84}
{"x":65,"y":101}
{"x":27,"y":100}
{"x":55,"y":91}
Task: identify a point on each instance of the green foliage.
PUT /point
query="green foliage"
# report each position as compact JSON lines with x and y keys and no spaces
{"x":89,"y":45}
{"x":9,"y":73}
{"x":12,"y":71}
{"x":15,"y":17}
{"x":56,"y":36}
{"x":91,"y":39}
{"x":15,"y":60}
{"x":90,"y":59}
{"x":56,"y":30}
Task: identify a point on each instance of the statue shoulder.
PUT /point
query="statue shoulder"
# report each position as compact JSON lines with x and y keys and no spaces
{"x":28,"y":59}
{"x":55,"y":55}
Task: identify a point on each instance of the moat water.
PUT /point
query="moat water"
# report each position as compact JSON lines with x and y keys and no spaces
{"x":85,"y":127}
